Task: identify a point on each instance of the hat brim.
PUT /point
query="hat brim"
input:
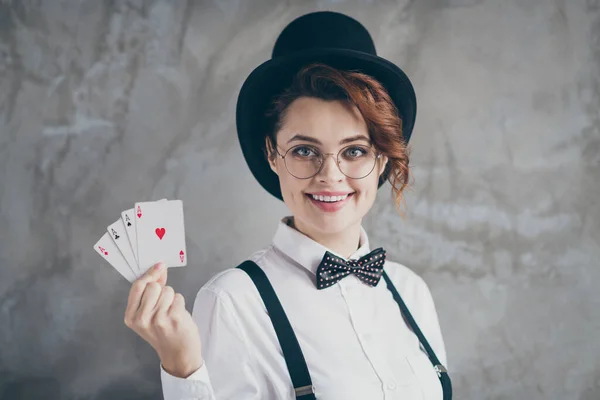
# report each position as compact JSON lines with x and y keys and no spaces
{"x":275,"y":75}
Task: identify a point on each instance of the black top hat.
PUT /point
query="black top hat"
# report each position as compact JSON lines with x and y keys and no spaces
{"x":327,"y":37}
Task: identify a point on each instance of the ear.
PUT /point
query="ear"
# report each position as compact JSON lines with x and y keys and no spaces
{"x":271,"y":154}
{"x":383,"y":160}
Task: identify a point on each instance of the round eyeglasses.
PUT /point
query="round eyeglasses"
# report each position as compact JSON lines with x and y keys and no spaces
{"x":354,"y":161}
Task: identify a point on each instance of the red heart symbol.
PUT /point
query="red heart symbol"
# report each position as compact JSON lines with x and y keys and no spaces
{"x":160,"y":232}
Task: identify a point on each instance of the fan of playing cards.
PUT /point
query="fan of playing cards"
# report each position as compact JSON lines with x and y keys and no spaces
{"x":150,"y":232}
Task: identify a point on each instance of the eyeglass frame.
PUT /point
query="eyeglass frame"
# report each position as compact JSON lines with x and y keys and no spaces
{"x":337,"y":161}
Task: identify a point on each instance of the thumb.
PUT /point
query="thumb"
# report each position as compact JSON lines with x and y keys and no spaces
{"x":162,"y":275}
{"x":158,"y":273}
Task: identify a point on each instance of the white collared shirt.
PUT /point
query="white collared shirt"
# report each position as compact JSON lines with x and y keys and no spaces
{"x":353,"y":337}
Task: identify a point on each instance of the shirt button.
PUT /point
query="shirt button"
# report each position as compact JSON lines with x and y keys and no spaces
{"x":391,"y":386}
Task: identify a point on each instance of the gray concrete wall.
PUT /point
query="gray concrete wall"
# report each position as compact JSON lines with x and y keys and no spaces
{"x":106,"y":103}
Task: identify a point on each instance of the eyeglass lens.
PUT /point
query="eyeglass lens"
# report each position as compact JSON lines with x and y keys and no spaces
{"x":354,"y":161}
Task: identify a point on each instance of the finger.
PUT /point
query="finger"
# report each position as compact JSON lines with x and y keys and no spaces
{"x":137,"y":290}
{"x":178,"y":304}
{"x":161,"y":320}
{"x":166,"y":299}
{"x":148,"y":302}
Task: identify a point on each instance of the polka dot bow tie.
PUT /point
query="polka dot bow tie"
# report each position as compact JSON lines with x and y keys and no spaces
{"x":368,"y":268}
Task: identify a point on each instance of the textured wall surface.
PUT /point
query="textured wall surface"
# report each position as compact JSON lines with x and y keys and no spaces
{"x":104,"y":103}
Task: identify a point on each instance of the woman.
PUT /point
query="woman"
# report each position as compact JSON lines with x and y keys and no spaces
{"x":322,"y":125}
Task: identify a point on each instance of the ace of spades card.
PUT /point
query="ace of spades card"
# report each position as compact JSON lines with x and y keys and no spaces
{"x":128,"y":219}
{"x":160,"y":233}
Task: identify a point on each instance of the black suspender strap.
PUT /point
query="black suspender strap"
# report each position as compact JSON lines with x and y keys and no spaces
{"x":287,"y":338}
{"x":439,"y":368}
{"x":292,"y":353}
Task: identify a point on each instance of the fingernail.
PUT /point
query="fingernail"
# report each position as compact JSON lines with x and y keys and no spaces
{"x":159,"y":266}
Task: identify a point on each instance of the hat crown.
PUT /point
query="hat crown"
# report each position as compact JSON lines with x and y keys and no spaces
{"x":323,"y":29}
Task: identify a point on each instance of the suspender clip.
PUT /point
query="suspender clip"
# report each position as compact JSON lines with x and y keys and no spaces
{"x":304,"y":390}
{"x":439,"y":369}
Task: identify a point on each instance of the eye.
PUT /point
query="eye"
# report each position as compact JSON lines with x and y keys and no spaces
{"x":355,"y":152}
{"x":304,"y":151}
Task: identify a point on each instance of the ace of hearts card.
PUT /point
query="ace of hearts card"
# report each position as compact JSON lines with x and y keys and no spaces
{"x":160,"y":234}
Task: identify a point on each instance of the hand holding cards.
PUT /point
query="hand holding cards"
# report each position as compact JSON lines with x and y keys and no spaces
{"x":149,"y":232}
{"x":158,"y":315}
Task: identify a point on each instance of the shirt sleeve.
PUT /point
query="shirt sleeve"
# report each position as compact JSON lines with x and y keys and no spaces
{"x":429,"y":323}
{"x":195,"y":386}
{"x":227,"y":371}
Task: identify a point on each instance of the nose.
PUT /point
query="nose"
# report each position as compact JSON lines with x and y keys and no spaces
{"x":330,"y":171}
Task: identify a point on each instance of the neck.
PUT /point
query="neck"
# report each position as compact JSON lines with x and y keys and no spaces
{"x":343,"y":243}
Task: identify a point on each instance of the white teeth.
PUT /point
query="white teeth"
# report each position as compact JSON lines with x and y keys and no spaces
{"x":329,"y":199}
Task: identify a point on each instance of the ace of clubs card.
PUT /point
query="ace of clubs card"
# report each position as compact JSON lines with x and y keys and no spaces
{"x":160,"y":234}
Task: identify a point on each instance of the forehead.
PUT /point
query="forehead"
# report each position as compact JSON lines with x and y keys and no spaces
{"x":327,"y":121}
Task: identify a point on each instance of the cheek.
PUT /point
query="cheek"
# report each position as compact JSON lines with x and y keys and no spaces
{"x":367,"y":189}
{"x":291,"y":188}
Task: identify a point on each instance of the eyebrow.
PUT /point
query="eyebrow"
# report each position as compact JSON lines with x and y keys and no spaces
{"x":343,"y":141}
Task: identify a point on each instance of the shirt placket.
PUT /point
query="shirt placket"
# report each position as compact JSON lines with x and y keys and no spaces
{"x":393,"y":387}
{"x":367,"y":339}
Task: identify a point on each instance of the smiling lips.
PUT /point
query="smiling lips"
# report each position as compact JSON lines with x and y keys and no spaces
{"x":331,"y":202}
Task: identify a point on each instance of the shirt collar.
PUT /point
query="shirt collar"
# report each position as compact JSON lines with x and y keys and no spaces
{"x":307,"y":252}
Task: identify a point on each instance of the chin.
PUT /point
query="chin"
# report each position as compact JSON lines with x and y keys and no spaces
{"x":326,"y":221}
{"x":330,"y":222}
